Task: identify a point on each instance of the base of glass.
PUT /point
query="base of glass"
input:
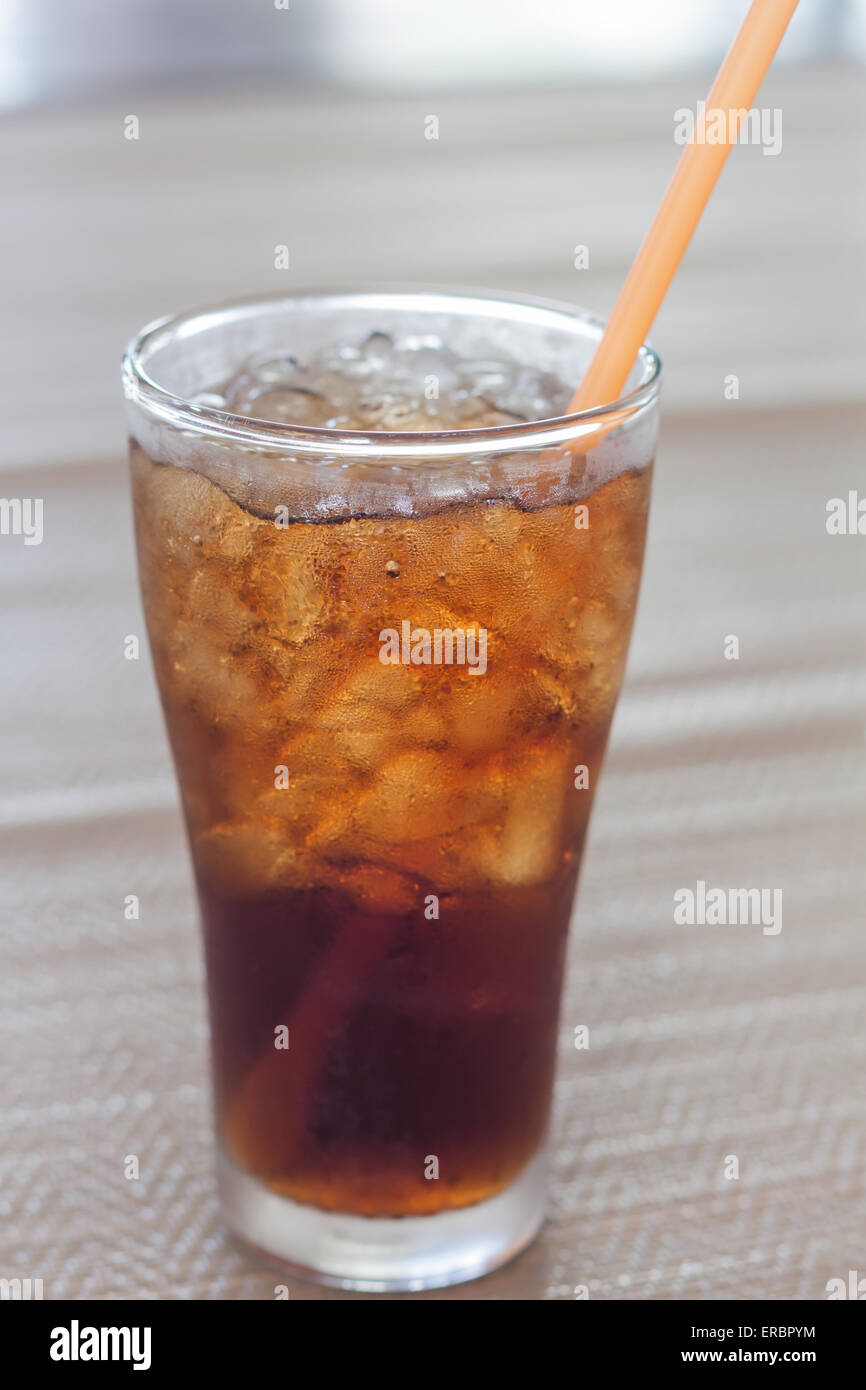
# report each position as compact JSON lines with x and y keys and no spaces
{"x":380,"y":1254}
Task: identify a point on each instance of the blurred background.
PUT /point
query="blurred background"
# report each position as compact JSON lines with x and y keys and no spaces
{"x":258,"y":126}
{"x":53,"y":51}
{"x":305,"y":127}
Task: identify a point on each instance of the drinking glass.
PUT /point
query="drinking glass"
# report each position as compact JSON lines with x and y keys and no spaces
{"x":388,"y":663}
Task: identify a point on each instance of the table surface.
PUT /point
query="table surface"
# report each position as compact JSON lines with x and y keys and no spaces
{"x":706,"y":1042}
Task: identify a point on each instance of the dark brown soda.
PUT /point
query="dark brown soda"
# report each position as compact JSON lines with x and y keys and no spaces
{"x":432,"y":1042}
{"x":385,"y":924}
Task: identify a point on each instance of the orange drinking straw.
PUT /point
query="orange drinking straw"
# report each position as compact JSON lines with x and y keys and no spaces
{"x":655,"y":264}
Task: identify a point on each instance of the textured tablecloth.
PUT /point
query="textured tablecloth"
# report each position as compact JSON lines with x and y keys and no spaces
{"x":706,"y":1042}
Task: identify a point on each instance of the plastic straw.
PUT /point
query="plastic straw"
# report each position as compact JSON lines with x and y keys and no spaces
{"x":655,"y":265}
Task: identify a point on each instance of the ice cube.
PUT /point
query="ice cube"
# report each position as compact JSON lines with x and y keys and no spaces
{"x":290,"y":406}
{"x":377,"y":350}
{"x":252,"y":857}
{"x":379,"y":890}
{"x":422,"y":795}
{"x":529,"y":846}
{"x":480,"y":378}
{"x":479,"y":713}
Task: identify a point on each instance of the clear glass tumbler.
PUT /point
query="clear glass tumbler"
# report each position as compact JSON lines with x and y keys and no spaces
{"x":388,"y":664}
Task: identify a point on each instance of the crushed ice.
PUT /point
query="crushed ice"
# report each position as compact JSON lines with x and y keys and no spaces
{"x":414,"y":383}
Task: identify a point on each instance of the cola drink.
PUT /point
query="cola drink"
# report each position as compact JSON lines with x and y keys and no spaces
{"x":388,"y":700}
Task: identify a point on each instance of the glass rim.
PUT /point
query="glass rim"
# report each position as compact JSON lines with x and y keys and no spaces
{"x":266,"y":435}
